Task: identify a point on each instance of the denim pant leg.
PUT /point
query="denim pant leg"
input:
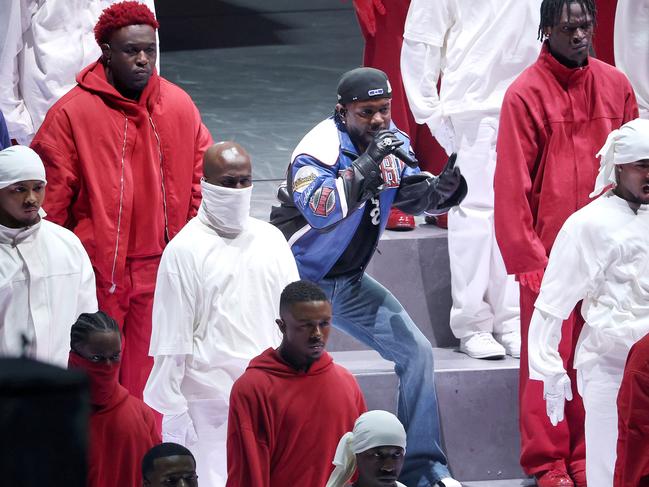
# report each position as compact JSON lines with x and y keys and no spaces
{"x":370,"y":313}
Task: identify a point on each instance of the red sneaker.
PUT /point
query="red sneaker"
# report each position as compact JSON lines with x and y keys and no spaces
{"x":554,"y":478}
{"x":398,"y":220}
{"x":440,"y":221}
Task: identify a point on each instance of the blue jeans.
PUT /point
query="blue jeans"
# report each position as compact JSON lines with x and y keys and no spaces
{"x":370,"y":313}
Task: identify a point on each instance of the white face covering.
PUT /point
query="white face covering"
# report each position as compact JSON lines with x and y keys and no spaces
{"x":225,"y":209}
{"x":629,"y":143}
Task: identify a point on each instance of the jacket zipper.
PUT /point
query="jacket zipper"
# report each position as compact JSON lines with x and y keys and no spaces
{"x":162,"y":180}
{"x":113,"y":285}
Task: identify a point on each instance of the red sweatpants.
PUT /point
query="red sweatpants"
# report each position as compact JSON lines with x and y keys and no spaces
{"x":544,"y":446}
{"x":383,"y":51}
{"x":131,"y":306}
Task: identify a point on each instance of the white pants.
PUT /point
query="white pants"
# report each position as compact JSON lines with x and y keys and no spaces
{"x":485,"y":298}
{"x":210,"y":418}
{"x":599,"y":386}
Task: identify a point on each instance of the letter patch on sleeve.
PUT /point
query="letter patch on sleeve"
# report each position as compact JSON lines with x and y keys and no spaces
{"x":303,"y":177}
{"x":391,"y":170}
{"x":323,"y":201}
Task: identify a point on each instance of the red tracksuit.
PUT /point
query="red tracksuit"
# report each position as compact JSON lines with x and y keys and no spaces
{"x":553,"y":121}
{"x":632,"y":465}
{"x":124,"y":175}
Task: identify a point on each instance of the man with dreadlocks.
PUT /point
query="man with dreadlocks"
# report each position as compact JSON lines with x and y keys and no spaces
{"x":122,"y":428}
{"x":123,"y":153}
{"x":554,"y":118}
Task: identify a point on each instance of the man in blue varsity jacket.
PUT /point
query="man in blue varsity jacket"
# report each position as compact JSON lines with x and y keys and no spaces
{"x":345,"y":175}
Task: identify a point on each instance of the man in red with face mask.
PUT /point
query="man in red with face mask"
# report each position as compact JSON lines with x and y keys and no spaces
{"x":122,"y":428}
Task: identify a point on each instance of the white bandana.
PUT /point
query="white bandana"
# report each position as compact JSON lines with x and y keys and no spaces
{"x":372,"y":429}
{"x":629,"y":143}
{"x":20,"y":163}
{"x":225,"y":209}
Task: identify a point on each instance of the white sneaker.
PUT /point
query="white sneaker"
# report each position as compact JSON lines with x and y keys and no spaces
{"x":482,"y":345}
{"x":448,"y":482}
{"x":511,"y":341}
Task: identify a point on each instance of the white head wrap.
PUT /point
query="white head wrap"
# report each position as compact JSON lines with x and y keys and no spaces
{"x":372,"y":429}
{"x":629,"y":143}
{"x":20,"y":163}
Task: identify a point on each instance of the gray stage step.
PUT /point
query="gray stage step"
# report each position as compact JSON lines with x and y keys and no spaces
{"x":477,"y":402}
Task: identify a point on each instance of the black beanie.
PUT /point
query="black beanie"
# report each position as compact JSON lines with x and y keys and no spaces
{"x":362,"y":84}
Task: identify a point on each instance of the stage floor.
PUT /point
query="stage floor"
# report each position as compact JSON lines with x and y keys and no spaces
{"x":266,"y":97}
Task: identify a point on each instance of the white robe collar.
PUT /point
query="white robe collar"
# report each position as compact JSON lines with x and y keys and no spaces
{"x":14,"y":236}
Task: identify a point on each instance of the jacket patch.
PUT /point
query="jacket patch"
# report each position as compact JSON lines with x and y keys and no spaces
{"x":391,"y":171}
{"x":322,"y":201}
{"x":303,"y":178}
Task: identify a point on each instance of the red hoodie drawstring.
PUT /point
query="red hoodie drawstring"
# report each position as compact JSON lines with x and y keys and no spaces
{"x":162,"y":179}
{"x":113,"y":286}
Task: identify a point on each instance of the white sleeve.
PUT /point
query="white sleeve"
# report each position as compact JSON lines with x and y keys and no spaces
{"x":567,"y":278}
{"x":162,"y":391}
{"x":87,"y":301}
{"x":174,"y":300}
{"x":289,"y":267}
{"x":420,"y":68}
{"x":632,"y":47}
{"x":425,"y":31}
{"x":12,"y":22}
{"x":543,"y":339}
{"x":428,"y":21}
{"x":172,"y":333}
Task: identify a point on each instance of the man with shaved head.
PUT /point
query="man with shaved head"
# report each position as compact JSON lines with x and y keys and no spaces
{"x":216,"y":297}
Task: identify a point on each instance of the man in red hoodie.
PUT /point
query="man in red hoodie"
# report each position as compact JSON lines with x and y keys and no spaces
{"x":554,"y":118}
{"x":292,"y":405}
{"x":122,"y":153}
{"x":122,"y":428}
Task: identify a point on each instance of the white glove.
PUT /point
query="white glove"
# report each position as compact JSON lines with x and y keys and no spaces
{"x":556,"y":392}
{"x":179,"y":428}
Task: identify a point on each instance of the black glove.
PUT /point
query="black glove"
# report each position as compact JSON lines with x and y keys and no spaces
{"x":384,"y":143}
{"x":449,"y":180}
{"x":368,"y":178}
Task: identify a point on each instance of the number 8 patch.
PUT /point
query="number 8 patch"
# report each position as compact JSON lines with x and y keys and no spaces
{"x":391,"y":171}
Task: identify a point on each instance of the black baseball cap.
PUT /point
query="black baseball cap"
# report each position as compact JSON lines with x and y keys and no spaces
{"x":362,"y":84}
